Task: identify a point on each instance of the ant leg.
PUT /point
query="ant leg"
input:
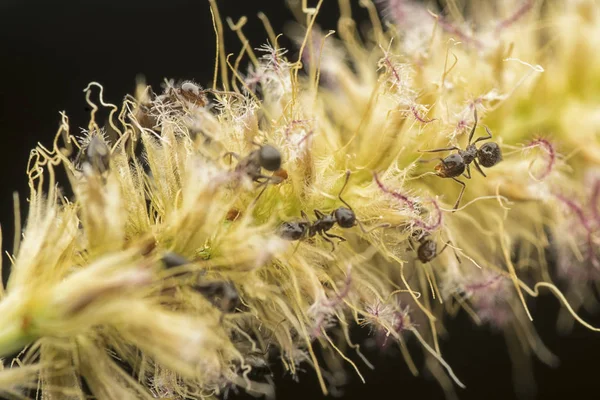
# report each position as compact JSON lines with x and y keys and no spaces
{"x":265,"y":184}
{"x":432,"y":159}
{"x":464,"y":185}
{"x":444,"y":248}
{"x":342,"y":190}
{"x":468,"y":171}
{"x":303,"y":214}
{"x":309,"y":227}
{"x":411,"y":245}
{"x":489,"y":136}
{"x":231,"y":154}
{"x":474,"y":125}
{"x":331,"y":235}
{"x":362,"y":227}
{"x":266,"y":178}
{"x":479,"y":168}
{"x":318,"y":214}
{"x":439,"y":150}
{"x":328,"y":240}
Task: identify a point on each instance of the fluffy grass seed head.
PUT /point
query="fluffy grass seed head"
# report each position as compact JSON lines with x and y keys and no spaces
{"x":170,"y":263}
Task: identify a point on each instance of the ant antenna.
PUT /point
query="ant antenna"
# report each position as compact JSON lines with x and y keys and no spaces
{"x":475,"y":125}
{"x":264,"y":184}
{"x":343,"y":188}
{"x":380,"y":226}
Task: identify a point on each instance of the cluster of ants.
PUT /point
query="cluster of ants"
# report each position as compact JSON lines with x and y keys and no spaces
{"x":223,"y":294}
{"x":451,"y":167}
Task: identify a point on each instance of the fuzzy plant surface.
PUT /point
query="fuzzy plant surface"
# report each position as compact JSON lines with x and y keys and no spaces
{"x":213,"y":231}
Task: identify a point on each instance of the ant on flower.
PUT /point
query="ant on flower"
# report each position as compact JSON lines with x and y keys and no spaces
{"x":427,"y":247}
{"x":343,"y":216}
{"x":454,"y":165}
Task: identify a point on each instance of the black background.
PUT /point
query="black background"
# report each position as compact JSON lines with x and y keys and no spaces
{"x":50,"y":51}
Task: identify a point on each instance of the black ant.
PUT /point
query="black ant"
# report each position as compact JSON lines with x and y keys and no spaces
{"x":343,"y":216}
{"x":427,"y":249}
{"x":266,"y":156}
{"x":221,"y":294}
{"x":488,"y":155}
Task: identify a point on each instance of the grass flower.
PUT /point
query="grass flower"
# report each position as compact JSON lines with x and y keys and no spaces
{"x":165,"y":274}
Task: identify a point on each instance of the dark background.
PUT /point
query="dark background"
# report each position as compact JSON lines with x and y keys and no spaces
{"x":50,"y":51}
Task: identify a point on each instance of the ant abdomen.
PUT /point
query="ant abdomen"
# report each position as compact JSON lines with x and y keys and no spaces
{"x":427,"y":251}
{"x":451,"y":166}
{"x":292,"y":230}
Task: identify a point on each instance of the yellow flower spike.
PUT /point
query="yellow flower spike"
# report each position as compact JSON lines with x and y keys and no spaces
{"x":175,"y":264}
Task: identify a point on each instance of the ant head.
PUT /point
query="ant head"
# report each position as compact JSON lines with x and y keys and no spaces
{"x":452,"y":166}
{"x":345,"y":217}
{"x":269,"y":158}
{"x":489,"y":154}
{"x":292,"y":230}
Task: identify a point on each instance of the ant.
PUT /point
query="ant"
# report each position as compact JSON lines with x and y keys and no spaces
{"x":454,"y":165}
{"x":172,"y":260}
{"x":343,"y":216}
{"x":427,"y":249}
{"x":185,"y":93}
{"x":221,"y":294}
{"x":266,"y":156}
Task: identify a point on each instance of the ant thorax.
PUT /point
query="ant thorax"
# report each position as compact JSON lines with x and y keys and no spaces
{"x":250,"y":165}
{"x":323,"y":224}
{"x":469,"y":154}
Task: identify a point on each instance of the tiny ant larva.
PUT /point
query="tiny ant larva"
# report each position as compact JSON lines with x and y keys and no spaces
{"x":343,"y":216}
{"x":454,"y":165}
